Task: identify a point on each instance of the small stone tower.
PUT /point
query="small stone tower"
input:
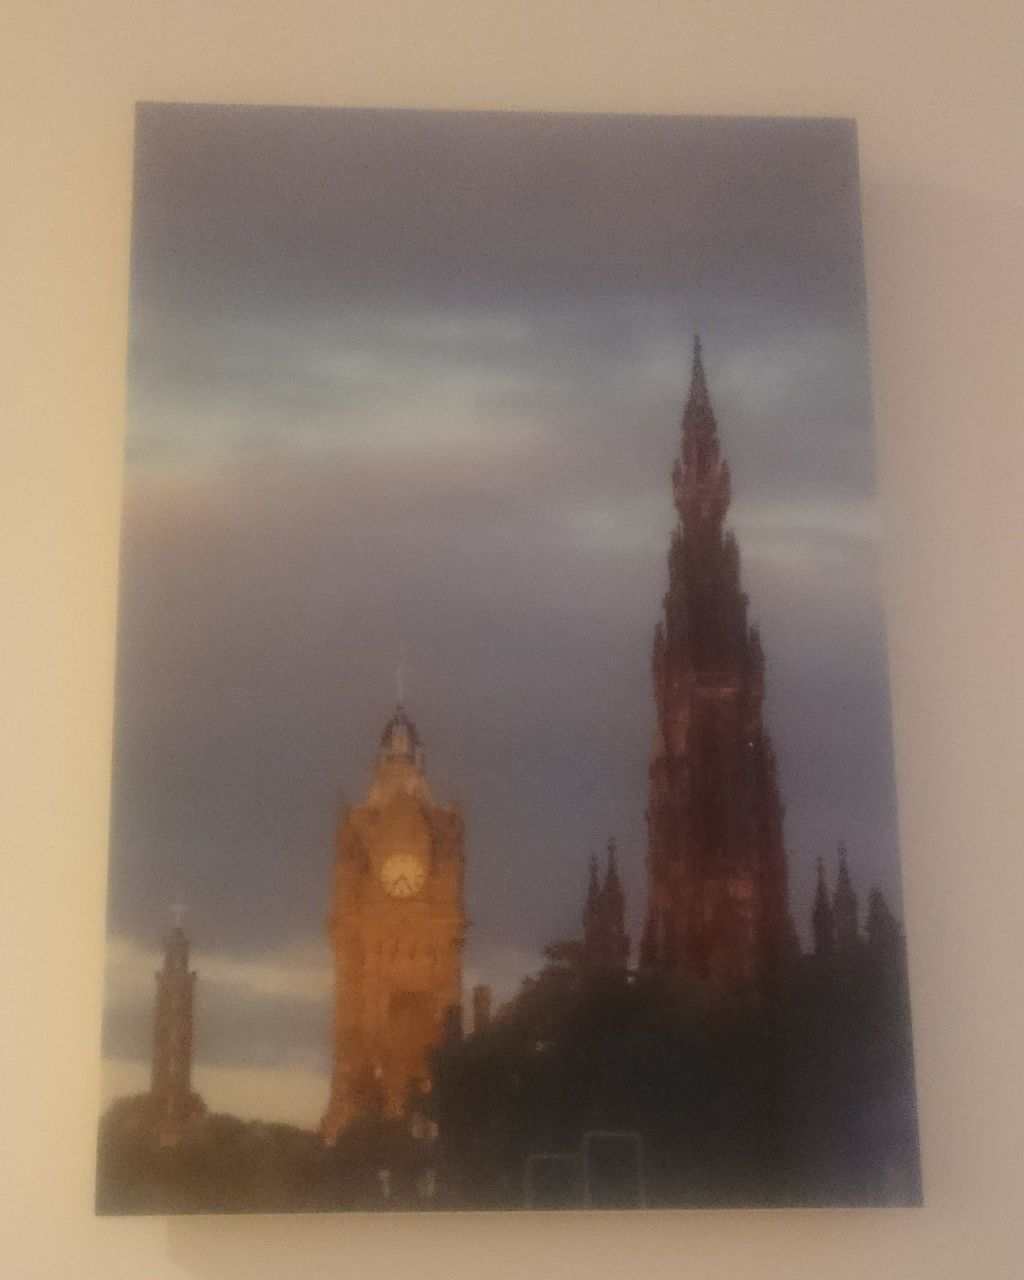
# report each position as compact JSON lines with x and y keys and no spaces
{"x":172,"y":1100}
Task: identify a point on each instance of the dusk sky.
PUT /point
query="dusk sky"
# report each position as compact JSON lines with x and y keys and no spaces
{"x":406,"y":382}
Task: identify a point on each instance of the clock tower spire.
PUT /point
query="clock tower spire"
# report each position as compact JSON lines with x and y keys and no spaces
{"x":396,"y":927}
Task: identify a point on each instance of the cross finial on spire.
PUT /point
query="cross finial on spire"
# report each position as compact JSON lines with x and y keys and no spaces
{"x":400,"y":676}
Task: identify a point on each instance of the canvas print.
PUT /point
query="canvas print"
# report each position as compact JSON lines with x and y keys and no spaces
{"x":503,"y":806}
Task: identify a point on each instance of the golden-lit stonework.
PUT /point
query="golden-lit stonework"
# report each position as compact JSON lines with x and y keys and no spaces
{"x":396,"y":927}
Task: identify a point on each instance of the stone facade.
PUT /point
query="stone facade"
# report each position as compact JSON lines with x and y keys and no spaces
{"x":717,"y":912}
{"x":396,"y":928}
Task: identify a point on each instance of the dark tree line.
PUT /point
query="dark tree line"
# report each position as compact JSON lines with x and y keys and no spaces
{"x":803,"y":1097}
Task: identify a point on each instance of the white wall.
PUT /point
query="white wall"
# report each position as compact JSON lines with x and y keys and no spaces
{"x":937,"y":90}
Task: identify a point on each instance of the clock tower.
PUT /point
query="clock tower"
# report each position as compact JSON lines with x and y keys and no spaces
{"x":396,"y":927}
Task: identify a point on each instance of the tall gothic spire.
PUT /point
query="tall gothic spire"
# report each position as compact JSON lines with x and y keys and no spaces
{"x":717,"y":905}
{"x":698,"y":416}
{"x":700,"y":477}
{"x":705,"y":625}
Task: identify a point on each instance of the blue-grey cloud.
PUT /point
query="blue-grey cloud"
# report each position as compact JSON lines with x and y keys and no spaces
{"x":403,"y":381}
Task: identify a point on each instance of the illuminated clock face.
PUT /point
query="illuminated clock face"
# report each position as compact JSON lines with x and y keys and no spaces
{"x":403,"y":875}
